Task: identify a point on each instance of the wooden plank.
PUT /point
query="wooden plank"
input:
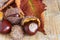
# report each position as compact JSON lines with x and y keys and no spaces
{"x":58,"y":1}
{"x":50,"y":21}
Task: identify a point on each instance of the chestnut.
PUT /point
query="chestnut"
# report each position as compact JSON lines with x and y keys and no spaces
{"x":13,"y":15}
{"x":5,"y":27}
{"x":30,"y":25}
{"x":31,"y":28}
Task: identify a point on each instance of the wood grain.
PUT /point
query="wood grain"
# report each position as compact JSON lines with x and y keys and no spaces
{"x":58,"y":1}
{"x":52,"y":23}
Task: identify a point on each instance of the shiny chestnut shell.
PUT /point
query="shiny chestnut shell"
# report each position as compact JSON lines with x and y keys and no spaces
{"x":27,"y":30}
{"x":5,"y":27}
{"x":26,"y":24}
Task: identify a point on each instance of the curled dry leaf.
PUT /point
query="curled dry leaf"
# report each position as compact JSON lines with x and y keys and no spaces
{"x":25,"y":6}
{"x":34,"y":8}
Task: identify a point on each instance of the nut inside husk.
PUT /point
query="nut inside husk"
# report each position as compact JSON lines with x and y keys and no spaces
{"x":28,"y":19}
{"x":30,"y":25}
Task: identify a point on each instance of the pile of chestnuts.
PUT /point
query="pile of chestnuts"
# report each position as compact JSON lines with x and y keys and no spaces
{"x":12,"y":16}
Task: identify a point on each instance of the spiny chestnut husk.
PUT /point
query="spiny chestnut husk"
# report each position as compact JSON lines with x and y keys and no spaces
{"x":13,"y":15}
{"x":30,"y":24}
{"x":16,"y":32}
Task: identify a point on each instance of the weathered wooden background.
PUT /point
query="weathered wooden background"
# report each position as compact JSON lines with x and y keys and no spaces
{"x":52,"y":23}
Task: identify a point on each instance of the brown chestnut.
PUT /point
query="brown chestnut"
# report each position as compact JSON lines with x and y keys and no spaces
{"x":31,"y":28}
{"x":30,"y":25}
{"x":5,"y":27}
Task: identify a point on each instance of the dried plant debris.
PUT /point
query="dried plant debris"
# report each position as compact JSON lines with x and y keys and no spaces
{"x":35,"y":8}
{"x":2,"y":2}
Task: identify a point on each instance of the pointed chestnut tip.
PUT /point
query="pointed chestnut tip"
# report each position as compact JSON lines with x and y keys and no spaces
{"x":42,"y":30}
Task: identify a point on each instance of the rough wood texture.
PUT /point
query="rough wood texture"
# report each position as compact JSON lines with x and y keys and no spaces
{"x":52,"y":23}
